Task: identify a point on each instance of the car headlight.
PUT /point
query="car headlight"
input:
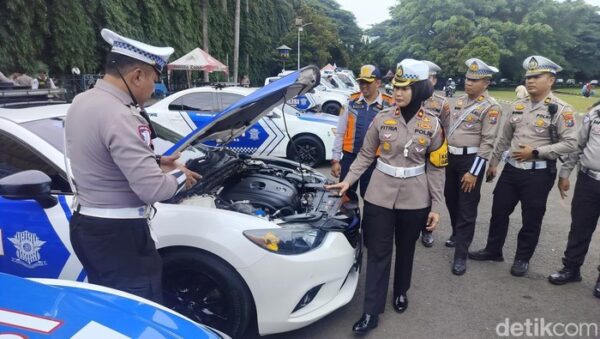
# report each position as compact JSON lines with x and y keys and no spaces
{"x":287,"y":241}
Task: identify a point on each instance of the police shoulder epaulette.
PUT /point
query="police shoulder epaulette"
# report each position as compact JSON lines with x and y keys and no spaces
{"x":355,"y":95}
{"x":387,"y":97}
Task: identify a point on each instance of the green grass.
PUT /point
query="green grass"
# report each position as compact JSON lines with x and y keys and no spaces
{"x":570,"y":95}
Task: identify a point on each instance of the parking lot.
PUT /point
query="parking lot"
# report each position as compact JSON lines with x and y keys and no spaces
{"x":473,"y":305}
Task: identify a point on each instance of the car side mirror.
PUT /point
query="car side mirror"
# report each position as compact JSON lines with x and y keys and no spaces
{"x":28,"y":185}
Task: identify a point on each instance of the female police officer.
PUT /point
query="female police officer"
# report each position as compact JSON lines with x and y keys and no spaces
{"x":405,"y":191}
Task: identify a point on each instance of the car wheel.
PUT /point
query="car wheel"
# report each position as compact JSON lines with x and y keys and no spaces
{"x":307,"y":149}
{"x":332,"y":108}
{"x":207,"y":290}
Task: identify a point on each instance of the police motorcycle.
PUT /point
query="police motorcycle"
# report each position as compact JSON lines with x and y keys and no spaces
{"x":450,"y":88}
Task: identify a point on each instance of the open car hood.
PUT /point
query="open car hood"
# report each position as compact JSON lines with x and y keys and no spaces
{"x":237,"y":118}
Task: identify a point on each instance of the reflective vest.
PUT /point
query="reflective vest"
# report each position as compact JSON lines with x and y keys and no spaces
{"x":360,"y":116}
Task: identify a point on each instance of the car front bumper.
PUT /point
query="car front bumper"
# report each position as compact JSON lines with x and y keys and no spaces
{"x":279,"y":282}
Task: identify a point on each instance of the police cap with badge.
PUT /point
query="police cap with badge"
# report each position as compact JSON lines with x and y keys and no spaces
{"x":369,"y":73}
{"x":410,"y":71}
{"x":157,"y":57}
{"x":537,"y":64}
{"x":477,"y":69}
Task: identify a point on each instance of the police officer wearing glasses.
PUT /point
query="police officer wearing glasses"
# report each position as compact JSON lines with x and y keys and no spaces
{"x":585,"y":207}
{"x":405,"y":191}
{"x":116,"y":174}
{"x":539,"y":129}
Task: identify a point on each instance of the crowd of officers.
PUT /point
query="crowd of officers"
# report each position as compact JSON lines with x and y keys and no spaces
{"x":404,"y":152}
{"x":409,"y":149}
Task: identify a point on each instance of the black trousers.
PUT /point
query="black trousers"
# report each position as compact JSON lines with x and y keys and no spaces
{"x":118,"y":253}
{"x":585,"y":211}
{"x":531,"y":188}
{"x":345,"y":164}
{"x":383,"y":226}
{"x":462,"y":206}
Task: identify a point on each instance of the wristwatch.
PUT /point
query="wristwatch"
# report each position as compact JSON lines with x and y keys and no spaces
{"x":536,"y":154}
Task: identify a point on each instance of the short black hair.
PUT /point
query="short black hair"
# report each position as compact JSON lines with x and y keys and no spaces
{"x":421,"y":91}
{"x":123,"y":63}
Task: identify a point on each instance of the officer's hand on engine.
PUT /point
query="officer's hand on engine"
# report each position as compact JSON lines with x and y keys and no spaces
{"x":468,"y":182}
{"x":433,"y":220}
{"x":336,"y":169}
{"x":342,"y":187}
{"x":490,"y":174}
{"x":168,"y":162}
{"x":191,"y":178}
{"x":563,"y":186}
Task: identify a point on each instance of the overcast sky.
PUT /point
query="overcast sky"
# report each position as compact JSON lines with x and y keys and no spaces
{"x":371,"y":12}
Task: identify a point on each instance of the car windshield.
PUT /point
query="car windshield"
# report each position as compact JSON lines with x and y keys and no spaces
{"x":52,"y":131}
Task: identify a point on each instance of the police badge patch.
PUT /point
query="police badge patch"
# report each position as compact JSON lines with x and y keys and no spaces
{"x":144,"y":133}
{"x":27,"y":247}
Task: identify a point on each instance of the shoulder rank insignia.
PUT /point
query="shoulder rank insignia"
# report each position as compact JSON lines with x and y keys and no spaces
{"x":390,"y":122}
{"x":547,"y":100}
{"x":519,"y":107}
{"x":480,"y":99}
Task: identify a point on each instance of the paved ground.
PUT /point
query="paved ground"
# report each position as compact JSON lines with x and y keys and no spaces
{"x":471,"y":306}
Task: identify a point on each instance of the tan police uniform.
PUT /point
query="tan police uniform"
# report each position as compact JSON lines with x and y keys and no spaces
{"x":437,"y":105}
{"x":116,"y":178}
{"x":471,"y":134}
{"x":406,"y":184}
{"x":528,"y":123}
{"x":585,"y":206}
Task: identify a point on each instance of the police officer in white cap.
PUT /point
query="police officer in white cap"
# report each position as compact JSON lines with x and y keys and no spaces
{"x":116,"y":174}
{"x":405,"y":191}
{"x":471,"y":134}
{"x":585,"y":207}
{"x":539,"y":129}
{"x":440,"y":107}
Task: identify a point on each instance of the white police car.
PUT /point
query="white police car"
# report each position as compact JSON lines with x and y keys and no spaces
{"x":50,"y":308}
{"x":312,"y":133}
{"x":256,"y":240}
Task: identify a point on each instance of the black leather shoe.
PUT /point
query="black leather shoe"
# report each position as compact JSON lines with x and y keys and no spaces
{"x":483,"y":255}
{"x":519,"y":268}
{"x":427,"y":239}
{"x":400,"y":303}
{"x":459,"y":267}
{"x":597,"y":289}
{"x":366,"y":323}
{"x":450,"y":243}
{"x":566,"y":275}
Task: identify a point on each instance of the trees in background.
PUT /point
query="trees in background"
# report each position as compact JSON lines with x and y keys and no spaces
{"x":66,"y":33}
{"x":500,"y":32}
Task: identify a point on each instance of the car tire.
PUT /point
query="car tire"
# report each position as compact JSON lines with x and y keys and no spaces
{"x":207,"y":290}
{"x":311,"y":149}
{"x":332,"y":108}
